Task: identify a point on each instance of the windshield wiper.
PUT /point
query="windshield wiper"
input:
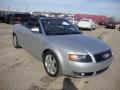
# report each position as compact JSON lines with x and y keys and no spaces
{"x":76,"y":33}
{"x":60,"y":33}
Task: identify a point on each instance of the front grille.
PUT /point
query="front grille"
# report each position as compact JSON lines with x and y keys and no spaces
{"x":88,"y":59}
{"x":103,"y":56}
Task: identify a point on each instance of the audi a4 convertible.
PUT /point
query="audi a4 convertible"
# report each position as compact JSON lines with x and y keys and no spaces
{"x":62,"y":47}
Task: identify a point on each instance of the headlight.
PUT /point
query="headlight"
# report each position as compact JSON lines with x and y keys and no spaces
{"x":80,"y":58}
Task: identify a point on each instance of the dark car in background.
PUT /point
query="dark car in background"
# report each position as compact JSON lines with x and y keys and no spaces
{"x":101,"y":23}
{"x":1,"y":17}
{"x":8,"y":18}
{"x":17,"y":18}
{"x":111,"y":24}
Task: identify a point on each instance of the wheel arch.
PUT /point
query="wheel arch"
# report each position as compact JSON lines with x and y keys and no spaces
{"x":59,"y":61}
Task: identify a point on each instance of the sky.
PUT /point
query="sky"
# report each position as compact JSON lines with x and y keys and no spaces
{"x":103,"y":7}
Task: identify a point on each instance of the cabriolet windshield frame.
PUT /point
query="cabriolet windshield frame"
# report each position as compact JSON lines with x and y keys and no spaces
{"x":59,"y":27}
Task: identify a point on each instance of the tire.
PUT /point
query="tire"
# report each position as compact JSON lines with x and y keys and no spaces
{"x":15,"y":42}
{"x":51,"y":64}
{"x":90,"y":29}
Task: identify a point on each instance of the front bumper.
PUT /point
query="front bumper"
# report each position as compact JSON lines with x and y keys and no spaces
{"x":85,"y":27}
{"x":78,"y":69}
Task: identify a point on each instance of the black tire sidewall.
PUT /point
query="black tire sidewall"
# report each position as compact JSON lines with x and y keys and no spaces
{"x":17,"y":44}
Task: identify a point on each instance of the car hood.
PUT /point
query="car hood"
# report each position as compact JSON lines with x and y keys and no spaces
{"x":78,"y":42}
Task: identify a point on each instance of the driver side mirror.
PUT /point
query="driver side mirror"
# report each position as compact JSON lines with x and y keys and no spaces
{"x":35,"y":29}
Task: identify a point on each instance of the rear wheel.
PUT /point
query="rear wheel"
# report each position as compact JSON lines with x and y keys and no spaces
{"x":15,"y":42}
{"x":51,"y":64}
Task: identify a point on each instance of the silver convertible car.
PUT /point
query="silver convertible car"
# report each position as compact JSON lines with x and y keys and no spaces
{"x":62,"y":47}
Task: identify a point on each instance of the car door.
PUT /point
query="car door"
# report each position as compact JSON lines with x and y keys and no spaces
{"x":33,"y":41}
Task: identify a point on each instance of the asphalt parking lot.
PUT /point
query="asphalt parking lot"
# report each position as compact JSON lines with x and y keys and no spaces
{"x":19,"y":70}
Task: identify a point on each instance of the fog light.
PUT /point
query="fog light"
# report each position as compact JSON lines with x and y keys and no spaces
{"x":82,"y":74}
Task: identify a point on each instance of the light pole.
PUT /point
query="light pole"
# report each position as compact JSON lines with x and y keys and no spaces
{"x":8,"y":8}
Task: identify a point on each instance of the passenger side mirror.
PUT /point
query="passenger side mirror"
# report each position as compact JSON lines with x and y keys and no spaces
{"x":35,"y":29}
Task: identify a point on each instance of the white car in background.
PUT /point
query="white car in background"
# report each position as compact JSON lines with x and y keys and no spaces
{"x":87,"y":24}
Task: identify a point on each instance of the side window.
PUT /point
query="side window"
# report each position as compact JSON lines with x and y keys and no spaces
{"x":36,"y":24}
{"x":32,"y":23}
{"x":26,"y":24}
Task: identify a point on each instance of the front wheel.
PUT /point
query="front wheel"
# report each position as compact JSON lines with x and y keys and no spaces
{"x":51,"y":64}
{"x":15,"y":42}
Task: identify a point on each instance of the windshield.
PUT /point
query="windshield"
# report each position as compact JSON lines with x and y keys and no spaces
{"x":59,"y":27}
